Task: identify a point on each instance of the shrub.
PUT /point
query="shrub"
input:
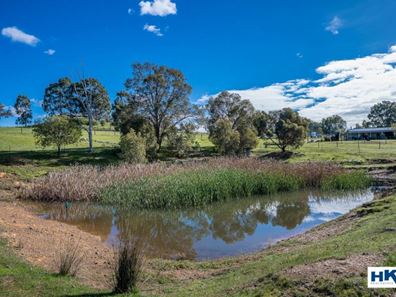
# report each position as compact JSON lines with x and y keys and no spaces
{"x":128,"y":267}
{"x":57,"y":131}
{"x":69,"y":259}
{"x":181,"y":143}
{"x":133,"y":148}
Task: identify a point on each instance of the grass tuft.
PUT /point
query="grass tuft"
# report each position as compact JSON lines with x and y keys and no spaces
{"x":70,"y":259}
{"x":129,"y":259}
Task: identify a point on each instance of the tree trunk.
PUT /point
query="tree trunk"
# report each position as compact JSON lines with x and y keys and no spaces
{"x":21,"y":130}
{"x":159,"y":143}
{"x":159,"y":138}
{"x":59,"y":151}
{"x":90,"y":122}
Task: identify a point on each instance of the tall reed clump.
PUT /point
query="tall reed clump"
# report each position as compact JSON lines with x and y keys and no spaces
{"x":198,"y":187}
{"x":346,"y":181}
{"x":205,"y":186}
{"x":195,"y":183}
{"x":69,"y":259}
{"x":129,"y":260}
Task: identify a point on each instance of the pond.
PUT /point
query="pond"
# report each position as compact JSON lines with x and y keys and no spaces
{"x":224,"y":229}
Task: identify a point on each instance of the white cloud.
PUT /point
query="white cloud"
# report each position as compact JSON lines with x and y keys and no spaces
{"x":299,"y":55}
{"x":37,"y":102}
{"x":334,"y":25}
{"x":50,"y":52}
{"x":17,"y":35}
{"x":153,"y":29}
{"x":203,"y":100}
{"x":12,"y":110}
{"x":158,"y":7}
{"x":130,"y":11}
{"x":348,"y":88}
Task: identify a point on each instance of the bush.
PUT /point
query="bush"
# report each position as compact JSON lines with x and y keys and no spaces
{"x":128,"y":267}
{"x":57,"y":131}
{"x":181,"y":143}
{"x":133,"y":148}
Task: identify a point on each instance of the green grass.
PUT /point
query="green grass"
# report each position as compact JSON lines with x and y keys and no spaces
{"x":17,"y":278}
{"x":202,"y":187}
{"x":344,"y":152}
{"x":349,"y":152}
{"x":15,"y":141}
{"x":30,"y":164}
{"x":20,"y":155}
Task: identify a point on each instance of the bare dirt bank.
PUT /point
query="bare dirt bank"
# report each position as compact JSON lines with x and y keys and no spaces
{"x":39,"y":241}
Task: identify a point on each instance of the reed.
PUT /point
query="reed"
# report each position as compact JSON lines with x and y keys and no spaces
{"x":205,"y":186}
{"x":191,"y":184}
{"x":128,"y":267}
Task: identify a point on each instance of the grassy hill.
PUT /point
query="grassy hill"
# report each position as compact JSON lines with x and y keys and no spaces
{"x":13,"y":139}
{"x":20,"y":155}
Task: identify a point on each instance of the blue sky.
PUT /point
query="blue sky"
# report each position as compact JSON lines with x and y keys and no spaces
{"x":316,"y":56}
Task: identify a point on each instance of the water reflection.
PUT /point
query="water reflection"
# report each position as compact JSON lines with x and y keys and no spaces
{"x":229,"y":228}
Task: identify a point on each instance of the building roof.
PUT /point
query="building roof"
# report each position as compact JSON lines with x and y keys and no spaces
{"x":371,"y":130}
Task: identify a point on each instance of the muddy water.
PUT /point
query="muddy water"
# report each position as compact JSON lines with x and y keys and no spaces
{"x":225,"y":229}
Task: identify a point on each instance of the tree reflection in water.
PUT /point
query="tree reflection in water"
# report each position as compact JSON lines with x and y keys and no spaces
{"x":172,"y":234}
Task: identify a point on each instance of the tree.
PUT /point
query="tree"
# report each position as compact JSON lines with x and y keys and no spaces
{"x":160,"y":96}
{"x":225,"y":139}
{"x":133,"y":148}
{"x":314,"y":128}
{"x":181,"y":140}
{"x":333,"y":126}
{"x":4,"y":113}
{"x":24,"y":111}
{"x":289,"y":129}
{"x":383,"y":114}
{"x":231,"y":123}
{"x":57,"y":131}
{"x":262,"y":123}
{"x":247,"y":140}
{"x":125,"y":116}
{"x":366,"y":124}
{"x":89,"y":99}
{"x":57,"y":97}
